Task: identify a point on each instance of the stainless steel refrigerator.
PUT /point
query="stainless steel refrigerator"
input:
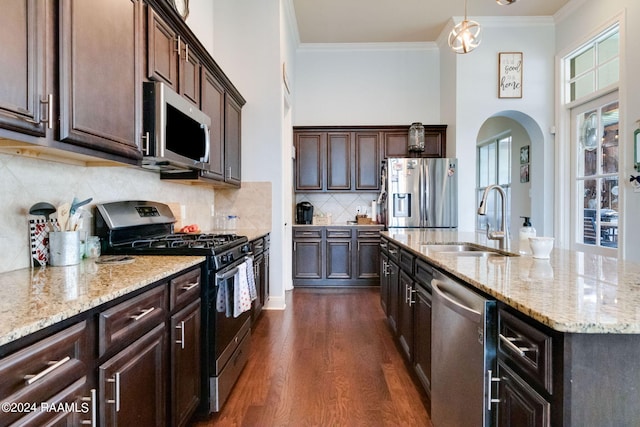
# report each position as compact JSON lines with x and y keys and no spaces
{"x":420,"y":192}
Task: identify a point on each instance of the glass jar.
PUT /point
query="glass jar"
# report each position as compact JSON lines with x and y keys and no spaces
{"x":416,"y":137}
{"x":92,"y":249}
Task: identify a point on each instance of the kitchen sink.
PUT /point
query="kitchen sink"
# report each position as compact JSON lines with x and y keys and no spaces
{"x":463,"y":249}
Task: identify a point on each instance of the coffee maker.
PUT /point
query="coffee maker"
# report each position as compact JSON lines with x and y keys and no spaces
{"x":304,"y":213}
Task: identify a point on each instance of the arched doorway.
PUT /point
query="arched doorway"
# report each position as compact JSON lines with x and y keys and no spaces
{"x":531,"y":171}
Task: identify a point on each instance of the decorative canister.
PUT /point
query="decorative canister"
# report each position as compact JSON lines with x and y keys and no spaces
{"x":416,"y":137}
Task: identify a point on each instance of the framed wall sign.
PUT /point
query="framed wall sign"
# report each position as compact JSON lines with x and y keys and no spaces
{"x":510,"y":75}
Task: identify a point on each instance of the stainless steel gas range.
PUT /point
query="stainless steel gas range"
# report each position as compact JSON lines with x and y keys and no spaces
{"x":147,"y":228}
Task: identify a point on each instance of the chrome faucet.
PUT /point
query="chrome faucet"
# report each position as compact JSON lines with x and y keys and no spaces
{"x":501,"y":235}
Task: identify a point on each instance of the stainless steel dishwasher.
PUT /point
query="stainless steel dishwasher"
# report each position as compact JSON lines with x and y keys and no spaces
{"x":463,"y":355}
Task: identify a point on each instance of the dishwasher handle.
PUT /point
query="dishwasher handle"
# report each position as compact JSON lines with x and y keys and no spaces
{"x":447,"y":292}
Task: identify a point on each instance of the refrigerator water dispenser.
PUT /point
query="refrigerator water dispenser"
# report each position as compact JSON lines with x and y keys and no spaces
{"x":402,"y":205}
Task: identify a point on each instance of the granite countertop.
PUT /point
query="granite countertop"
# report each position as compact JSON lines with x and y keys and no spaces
{"x":573,"y":291}
{"x":33,"y":299}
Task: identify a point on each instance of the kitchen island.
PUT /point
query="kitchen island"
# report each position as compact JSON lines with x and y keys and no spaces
{"x":574,"y":319}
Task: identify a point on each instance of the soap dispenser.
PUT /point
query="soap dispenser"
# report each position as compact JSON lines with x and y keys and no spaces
{"x":526,"y":231}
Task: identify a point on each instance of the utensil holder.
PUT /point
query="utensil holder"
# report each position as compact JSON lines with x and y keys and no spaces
{"x":64,"y":248}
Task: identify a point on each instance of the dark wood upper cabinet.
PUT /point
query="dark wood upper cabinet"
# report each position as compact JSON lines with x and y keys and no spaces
{"x":232,"y":140}
{"x":395,"y":142}
{"x":189,"y":75}
{"x":100,"y":84}
{"x":170,"y":60}
{"x":367,"y":157}
{"x":212,"y":104}
{"x":23,"y":63}
{"x":162,"y":51}
{"x":309,"y":160}
{"x":338,"y":161}
{"x":336,"y":158}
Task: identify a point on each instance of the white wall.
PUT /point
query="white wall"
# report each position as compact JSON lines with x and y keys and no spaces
{"x":377,"y":84}
{"x":247,"y":46}
{"x":476,"y":99}
{"x":575,"y":27}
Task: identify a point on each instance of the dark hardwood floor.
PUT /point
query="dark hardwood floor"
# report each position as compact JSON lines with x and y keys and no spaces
{"x":329,"y":359}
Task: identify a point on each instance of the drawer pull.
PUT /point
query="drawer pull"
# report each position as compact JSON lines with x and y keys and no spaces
{"x":93,"y":422}
{"x":116,"y":391}
{"x":181,"y":340}
{"x":508,"y":341}
{"x":189,"y":286}
{"x":393,"y":251}
{"x":144,"y":312}
{"x":30,"y":379}
{"x":490,"y":380}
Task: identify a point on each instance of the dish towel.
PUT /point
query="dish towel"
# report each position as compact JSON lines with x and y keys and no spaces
{"x":241,"y":297}
{"x":236,"y":301}
{"x":251,"y":279}
{"x":223,"y":302}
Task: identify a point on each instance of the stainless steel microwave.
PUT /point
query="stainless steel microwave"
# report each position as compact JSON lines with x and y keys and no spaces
{"x":176,"y":132}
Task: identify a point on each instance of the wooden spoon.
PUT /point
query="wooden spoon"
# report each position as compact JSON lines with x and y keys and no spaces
{"x":63,"y":216}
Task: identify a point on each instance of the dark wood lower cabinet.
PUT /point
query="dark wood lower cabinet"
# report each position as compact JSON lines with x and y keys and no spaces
{"x":422,"y":337}
{"x":336,"y":255}
{"x":338,"y":258}
{"x":132,"y":383}
{"x":185,"y":363}
{"x":384,"y":281}
{"x":520,"y":405}
{"x":405,"y":314}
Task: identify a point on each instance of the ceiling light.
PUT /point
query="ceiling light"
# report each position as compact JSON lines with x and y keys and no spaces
{"x":466,"y":35}
{"x":505,"y":2}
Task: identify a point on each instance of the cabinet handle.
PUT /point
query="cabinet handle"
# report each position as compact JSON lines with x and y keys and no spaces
{"x":93,"y":422}
{"x":490,"y":380}
{"x":145,"y":144}
{"x":411,"y":294}
{"x":116,"y":391}
{"x":179,"y":47}
{"x":190,"y":286}
{"x":393,"y":251}
{"x":30,"y":379}
{"x":142,"y":314}
{"x":49,"y":119}
{"x":186,"y":52}
{"x":508,"y":341}
{"x":229,"y":172}
{"x":181,"y":340}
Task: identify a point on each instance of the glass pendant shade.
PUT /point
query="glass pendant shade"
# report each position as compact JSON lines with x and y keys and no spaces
{"x":505,"y":2}
{"x":465,"y":36}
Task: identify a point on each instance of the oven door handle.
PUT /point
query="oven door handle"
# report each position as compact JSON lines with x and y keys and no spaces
{"x":227,"y":275}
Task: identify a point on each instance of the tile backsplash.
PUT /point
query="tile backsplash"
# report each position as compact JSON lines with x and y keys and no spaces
{"x":341,"y":206}
{"x":25,"y":181}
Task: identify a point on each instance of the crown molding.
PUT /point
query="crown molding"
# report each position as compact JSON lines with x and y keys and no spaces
{"x":337,"y":47}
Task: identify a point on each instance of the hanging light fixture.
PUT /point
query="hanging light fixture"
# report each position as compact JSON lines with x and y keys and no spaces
{"x":466,"y":35}
{"x":505,"y":2}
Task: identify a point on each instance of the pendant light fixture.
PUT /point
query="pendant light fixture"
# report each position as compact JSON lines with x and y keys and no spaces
{"x":466,"y":35}
{"x":505,"y":2}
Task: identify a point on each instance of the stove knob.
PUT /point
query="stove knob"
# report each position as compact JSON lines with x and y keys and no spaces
{"x":230,"y":257}
{"x":245,"y":249}
{"x":223,"y":258}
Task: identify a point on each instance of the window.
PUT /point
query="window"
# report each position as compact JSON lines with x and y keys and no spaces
{"x":597,"y":173}
{"x":594,"y":66}
{"x":592,"y":79}
{"x":494,"y":167}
